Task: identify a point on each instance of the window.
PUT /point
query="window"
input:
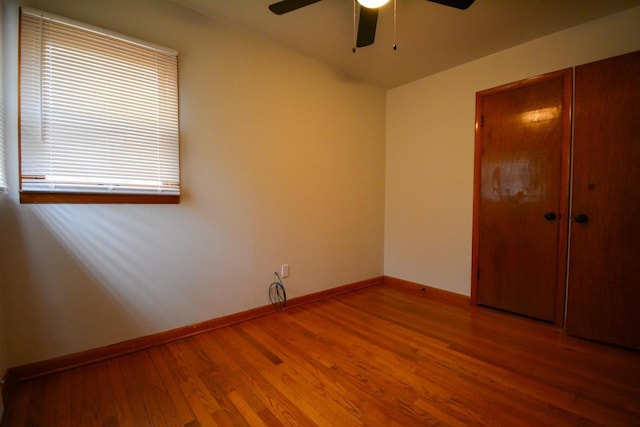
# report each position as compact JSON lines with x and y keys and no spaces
{"x":3,"y":180}
{"x":98,"y":115}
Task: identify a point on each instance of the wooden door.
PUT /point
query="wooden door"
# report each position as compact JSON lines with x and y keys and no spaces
{"x":603,"y":299}
{"x":520,"y":200}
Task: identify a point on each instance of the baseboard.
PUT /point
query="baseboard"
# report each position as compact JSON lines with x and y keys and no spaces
{"x":317,"y":296}
{"x":428,"y":291}
{"x":63,"y":363}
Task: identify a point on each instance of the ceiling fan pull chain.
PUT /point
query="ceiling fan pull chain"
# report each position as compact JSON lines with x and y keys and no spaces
{"x":354,"y":27}
{"x":395,"y":13}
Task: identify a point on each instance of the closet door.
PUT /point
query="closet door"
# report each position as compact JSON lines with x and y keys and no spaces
{"x":520,"y":196}
{"x":603,"y":299}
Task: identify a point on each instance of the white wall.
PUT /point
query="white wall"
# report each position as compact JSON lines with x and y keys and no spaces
{"x":282,"y":162}
{"x":430,"y":146}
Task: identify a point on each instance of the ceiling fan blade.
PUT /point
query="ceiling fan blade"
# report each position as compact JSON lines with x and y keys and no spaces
{"x":286,"y":6}
{"x":458,"y":4}
{"x":367,"y":26}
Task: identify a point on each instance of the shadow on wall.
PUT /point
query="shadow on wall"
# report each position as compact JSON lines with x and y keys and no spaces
{"x":84,"y":276}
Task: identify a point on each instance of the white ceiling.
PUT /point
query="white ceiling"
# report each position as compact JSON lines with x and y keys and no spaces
{"x":430,"y":37}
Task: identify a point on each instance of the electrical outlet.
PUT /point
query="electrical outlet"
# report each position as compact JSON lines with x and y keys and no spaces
{"x":284,"y":270}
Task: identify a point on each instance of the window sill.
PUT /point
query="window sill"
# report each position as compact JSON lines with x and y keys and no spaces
{"x":79,"y":198}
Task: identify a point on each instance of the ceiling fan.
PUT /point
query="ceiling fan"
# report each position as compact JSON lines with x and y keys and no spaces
{"x":368,"y":19}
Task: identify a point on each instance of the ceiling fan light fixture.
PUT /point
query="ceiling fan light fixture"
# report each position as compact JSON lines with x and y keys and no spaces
{"x":373,"y":4}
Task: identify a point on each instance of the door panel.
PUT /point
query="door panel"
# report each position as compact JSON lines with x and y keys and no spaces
{"x":523,"y":141}
{"x":603,"y":299}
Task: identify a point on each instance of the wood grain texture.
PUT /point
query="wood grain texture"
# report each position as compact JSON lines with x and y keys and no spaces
{"x":82,"y":198}
{"x":604,"y":271}
{"x":384,"y":355}
{"x":523,"y":138}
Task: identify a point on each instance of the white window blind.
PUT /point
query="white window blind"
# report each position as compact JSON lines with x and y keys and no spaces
{"x":98,"y":111}
{"x":3,"y":176}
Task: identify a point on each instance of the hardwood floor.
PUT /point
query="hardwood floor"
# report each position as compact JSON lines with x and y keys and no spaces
{"x":385,"y":355}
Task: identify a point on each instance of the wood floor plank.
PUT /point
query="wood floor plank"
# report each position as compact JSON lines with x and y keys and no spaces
{"x":251,"y":364}
{"x":159,"y":405}
{"x":527,"y":370}
{"x":78,"y":395}
{"x":18,"y":405}
{"x":301,"y":384}
{"x":417,"y":350}
{"x":406,"y":381}
{"x":58,"y":403}
{"x":202,"y":403}
{"x":248,"y":414}
{"x":89,"y":396}
{"x":161,"y":360}
{"x":376,"y":392}
{"x":216,"y":384}
{"x":539,"y":371}
{"x":232,"y":370}
{"x":35,"y":410}
{"x":384,"y":355}
{"x":123,"y":405}
{"x":130,"y":379}
{"x":435,"y":385}
{"x":333,"y":396}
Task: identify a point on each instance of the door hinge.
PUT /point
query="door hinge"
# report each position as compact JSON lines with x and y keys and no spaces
{"x":478,"y":274}
{"x":482,"y":121}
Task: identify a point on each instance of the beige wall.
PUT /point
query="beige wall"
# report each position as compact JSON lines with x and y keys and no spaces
{"x":430,"y":145}
{"x":282,"y":162}
{"x":4,"y":354}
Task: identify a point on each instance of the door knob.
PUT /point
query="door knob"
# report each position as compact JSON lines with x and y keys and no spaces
{"x":549,"y":216}
{"x":581,"y":218}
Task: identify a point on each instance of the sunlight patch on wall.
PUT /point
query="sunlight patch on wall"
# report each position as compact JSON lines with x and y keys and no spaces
{"x":154,"y":265}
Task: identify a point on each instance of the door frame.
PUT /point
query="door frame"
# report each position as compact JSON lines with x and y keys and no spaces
{"x":565,"y":167}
